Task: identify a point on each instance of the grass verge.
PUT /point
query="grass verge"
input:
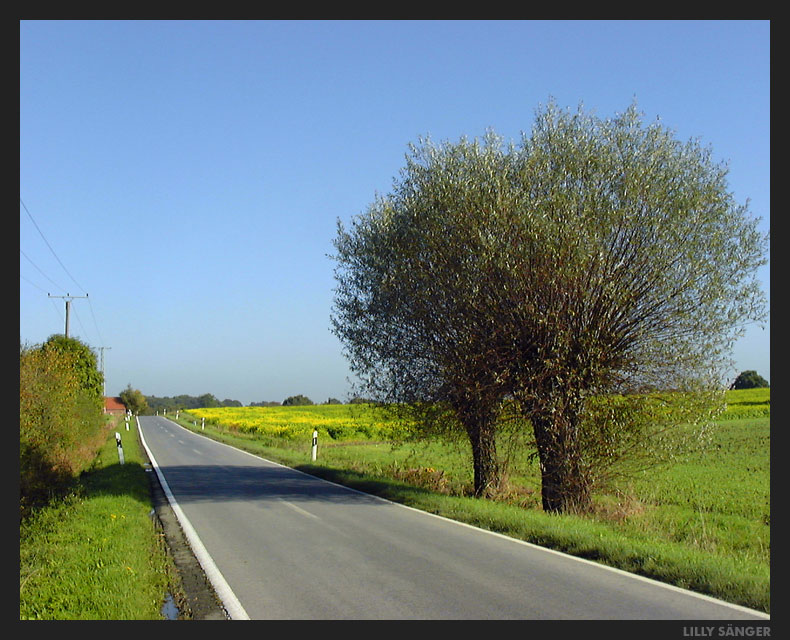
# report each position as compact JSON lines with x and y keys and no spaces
{"x":97,"y":554}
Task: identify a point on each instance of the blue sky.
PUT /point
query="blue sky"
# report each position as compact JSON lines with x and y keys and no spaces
{"x":188,"y":175}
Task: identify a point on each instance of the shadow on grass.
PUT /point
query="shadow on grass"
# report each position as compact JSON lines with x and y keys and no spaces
{"x":130,"y":479}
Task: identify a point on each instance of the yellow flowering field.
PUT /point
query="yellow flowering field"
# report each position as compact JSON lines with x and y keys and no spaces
{"x":336,"y":421}
{"x":748,"y":403}
{"x":344,"y":422}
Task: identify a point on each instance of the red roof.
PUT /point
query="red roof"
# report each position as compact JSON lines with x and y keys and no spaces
{"x":114,"y":404}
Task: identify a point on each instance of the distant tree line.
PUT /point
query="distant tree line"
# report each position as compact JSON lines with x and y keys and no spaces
{"x":154,"y":404}
{"x":186,"y":402}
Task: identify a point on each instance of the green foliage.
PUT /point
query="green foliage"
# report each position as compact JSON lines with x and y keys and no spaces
{"x":207,"y":400}
{"x":134,"y":400}
{"x":296,"y":401}
{"x":622,"y":435}
{"x":597,"y":257}
{"x":749,"y":380}
{"x":60,"y":424}
{"x":90,"y":379}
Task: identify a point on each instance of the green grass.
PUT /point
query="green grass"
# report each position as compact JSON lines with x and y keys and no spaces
{"x":702,"y":523}
{"x":97,"y":555}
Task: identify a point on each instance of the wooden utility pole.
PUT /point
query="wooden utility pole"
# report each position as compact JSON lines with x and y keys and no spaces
{"x":101,"y":360}
{"x":68,"y":298}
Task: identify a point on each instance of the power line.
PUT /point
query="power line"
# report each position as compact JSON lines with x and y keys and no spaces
{"x":96,"y":324}
{"x":79,"y":319}
{"x":56,"y":309}
{"x":40,"y":271}
{"x":31,"y":282}
{"x":50,"y":247}
{"x":68,"y":301}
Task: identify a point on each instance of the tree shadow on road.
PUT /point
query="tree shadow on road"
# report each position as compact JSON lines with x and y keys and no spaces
{"x":208,"y":483}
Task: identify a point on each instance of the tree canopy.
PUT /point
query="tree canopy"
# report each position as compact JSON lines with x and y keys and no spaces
{"x":134,"y":400}
{"x":596,"y":257}
{"x":749,"y":380}
{"x":91,"y":380}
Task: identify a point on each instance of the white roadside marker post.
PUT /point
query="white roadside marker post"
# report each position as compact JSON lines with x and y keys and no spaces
{"x":315,"y":444}
{"x":120,"y":446}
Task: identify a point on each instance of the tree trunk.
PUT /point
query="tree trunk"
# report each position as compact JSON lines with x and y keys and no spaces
{"x":487,"y":470}
{"x":564,"y":486}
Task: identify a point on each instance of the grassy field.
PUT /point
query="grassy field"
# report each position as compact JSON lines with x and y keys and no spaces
{"x":97,"y":555}
{"x":702,"y":523}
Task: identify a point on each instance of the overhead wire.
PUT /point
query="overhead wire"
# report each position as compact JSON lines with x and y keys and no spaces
{"x":49,"y":246}
{"x":41,"y":272}
{"x":31,"y":282}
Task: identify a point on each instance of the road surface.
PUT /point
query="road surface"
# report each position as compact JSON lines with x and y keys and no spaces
{"x":280,"y":544}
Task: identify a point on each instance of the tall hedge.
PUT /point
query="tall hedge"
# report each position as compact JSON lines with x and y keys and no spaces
{"x":60,"y":422}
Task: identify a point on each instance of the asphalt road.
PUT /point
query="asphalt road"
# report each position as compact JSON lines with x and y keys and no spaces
{"x":279,"y":544}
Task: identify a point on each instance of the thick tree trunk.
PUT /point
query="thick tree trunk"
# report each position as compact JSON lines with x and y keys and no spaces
{"x":487,"y":470}
{"x":564,"y":486}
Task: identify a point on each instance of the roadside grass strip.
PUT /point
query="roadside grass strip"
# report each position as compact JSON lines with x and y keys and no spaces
{"x":97,"y":554}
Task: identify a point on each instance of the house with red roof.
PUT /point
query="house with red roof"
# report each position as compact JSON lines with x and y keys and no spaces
{"x":114,"y":406}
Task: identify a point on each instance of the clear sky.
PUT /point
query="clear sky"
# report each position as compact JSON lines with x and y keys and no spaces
{"x":188,"y":175}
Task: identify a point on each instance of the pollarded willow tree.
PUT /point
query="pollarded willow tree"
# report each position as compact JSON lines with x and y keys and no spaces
{"x":557,"y":276}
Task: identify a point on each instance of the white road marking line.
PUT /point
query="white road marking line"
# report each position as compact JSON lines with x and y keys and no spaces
{"x":299,"y":509}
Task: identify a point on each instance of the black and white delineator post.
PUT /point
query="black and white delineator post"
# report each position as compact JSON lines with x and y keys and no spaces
{"x":315,"y":444}
{"x":120,"y":446}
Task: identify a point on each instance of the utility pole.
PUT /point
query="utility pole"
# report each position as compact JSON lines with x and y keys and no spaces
{"x":101,"y":360}
{"x":68,"y":307}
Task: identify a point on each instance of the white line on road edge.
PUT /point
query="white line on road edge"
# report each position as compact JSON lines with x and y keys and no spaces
{"x":229,"y":600}
{"x":635,"y":576}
